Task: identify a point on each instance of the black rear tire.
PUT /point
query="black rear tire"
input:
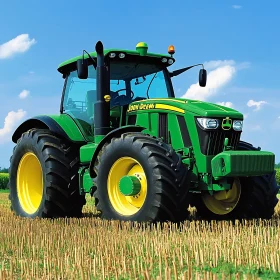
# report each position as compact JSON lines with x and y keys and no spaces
{"x":59,"y":161}
{"x":257,"y":200}
{"x":167,"y":196}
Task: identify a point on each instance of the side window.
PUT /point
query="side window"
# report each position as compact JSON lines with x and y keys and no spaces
{"x":79,"y":99}
{"x":80,"y":95}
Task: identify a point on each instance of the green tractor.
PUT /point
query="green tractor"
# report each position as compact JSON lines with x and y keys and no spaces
{"x":143,"y":154}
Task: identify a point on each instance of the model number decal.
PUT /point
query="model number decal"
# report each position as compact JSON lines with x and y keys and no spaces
{"x":155,"y":106}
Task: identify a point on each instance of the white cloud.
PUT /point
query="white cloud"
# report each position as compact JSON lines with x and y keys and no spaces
{"x":226,"y":104}
{"x":236,"y":6}
{"x":245,"y":116}
{"x":217,"y":63}
{"x":25,"y":93}
{"x":11,"y":120}
{"x":20,"y":44}
{"x":257,"y":104}
{"x":216,"y":80}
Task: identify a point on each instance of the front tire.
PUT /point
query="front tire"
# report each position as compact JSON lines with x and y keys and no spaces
{"x":258,"y":197}
{"x":43,"y":176}
{"x":160,"y":179}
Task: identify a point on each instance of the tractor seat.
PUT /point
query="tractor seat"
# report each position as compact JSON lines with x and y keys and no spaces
{"x":90,"y":101}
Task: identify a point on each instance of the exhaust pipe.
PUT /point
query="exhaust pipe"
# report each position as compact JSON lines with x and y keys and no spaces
{"x":101,"y":107}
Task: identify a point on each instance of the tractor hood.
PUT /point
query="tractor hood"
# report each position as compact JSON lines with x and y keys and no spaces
{"x":180,"y":105}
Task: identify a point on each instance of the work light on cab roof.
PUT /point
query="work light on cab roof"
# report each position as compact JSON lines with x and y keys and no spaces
{"x":171,"y":50}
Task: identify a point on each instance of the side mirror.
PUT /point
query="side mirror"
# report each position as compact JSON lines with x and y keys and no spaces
{"x":202,"y":77}
{"x":82,"y":68}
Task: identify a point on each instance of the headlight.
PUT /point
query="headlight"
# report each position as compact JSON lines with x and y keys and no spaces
{"x":237,"y":125}
{"x":208,"y":123}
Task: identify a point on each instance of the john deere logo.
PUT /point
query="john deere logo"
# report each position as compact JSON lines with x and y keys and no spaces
{"x":226,"y":124}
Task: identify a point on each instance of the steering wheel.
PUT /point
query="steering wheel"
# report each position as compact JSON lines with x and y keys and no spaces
{"x":120,"y":100}
{"x":125,"y":90}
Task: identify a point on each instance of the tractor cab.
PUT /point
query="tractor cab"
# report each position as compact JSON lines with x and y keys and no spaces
{"x":133,"y":76}
{"x":130,"y":76}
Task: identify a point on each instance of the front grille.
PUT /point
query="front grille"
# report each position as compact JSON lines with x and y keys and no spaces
{"x":212,"y":142}
{"x":217,"y":138}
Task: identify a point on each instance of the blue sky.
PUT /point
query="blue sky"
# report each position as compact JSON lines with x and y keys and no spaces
{"x":237,"y":40}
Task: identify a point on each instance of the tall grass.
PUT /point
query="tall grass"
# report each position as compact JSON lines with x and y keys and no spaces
{"x":278,"y":176}
{"x":90,"y":248}
{"x":4,"y":178}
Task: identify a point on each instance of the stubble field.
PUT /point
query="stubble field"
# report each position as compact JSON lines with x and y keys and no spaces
{"x":89,"y":248}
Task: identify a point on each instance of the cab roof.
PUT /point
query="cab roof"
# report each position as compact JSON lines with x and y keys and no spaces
{"x":140,"y":54}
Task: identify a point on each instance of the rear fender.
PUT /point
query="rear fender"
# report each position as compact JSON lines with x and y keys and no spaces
{"x":47,"y":122}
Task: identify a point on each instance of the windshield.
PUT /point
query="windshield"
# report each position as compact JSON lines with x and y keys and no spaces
{"x":148,"y":86}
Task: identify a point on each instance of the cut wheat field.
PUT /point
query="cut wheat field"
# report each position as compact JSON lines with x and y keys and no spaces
{"x":89,"y":248}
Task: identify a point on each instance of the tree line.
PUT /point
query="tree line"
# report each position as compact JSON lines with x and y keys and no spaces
{"x":4,"y":170}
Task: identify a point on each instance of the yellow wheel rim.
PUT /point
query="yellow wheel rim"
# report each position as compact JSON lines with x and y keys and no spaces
{"x":126,"y":205}
{"x":223,"y":202}
{"x":30,"y":183}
